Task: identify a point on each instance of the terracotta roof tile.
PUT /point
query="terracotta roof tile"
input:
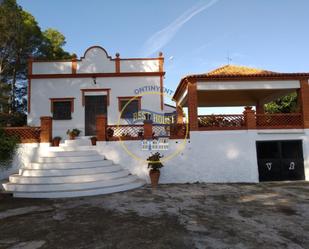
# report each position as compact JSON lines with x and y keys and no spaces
{"x":237,"y":70}
{"x":234,"y":72}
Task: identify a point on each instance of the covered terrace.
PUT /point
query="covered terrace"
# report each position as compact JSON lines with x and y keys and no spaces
{"x":232,"y":86}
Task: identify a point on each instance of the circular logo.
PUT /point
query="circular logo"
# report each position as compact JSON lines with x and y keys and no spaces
{"x":180,"y":146}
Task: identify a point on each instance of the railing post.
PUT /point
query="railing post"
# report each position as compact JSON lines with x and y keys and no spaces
{"x":101,"y":127}
{"x":192,"y":105}
{"x":259,"y":108}
{"x":179,"y":112}
{"x":249,"y":116}
{"x":303,"y":99}
{"x":147,"y":129}
{"x":46,"y":133}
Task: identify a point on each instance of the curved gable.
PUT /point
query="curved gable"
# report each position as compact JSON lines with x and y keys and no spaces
{"x":95,"y":60}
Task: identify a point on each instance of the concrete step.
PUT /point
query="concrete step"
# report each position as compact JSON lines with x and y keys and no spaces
{"x":74,"y":169}
{"x":64,"y":147}
{"x":71,"y":159}
{"x":13,"y":187}
{"x":77,"y":142}
{"x":69,"y":165}
{"x":85,"y":192}
{"x":73,"y":153}
{"x":67,"y":179}
{"x":69,"y":172}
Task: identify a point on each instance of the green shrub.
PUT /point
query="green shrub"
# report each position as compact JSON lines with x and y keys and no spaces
{"x":74,"y":132}
{"x":285,"y":104}
{"x":14,"y":119}
{"x":8,"y":146}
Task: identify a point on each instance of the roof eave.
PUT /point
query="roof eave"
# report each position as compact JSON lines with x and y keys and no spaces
{"x":205,"y":77}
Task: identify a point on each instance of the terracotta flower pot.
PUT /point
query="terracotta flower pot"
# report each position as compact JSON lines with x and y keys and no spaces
{"x":154,"y":177}
{"x":56,"y":142}
{"x":93,"y":141}
{"x":72,"y":137}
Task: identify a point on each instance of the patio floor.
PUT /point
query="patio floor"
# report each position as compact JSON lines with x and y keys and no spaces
{"x":217,"y":216}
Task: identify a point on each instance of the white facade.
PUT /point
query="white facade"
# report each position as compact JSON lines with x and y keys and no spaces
{"x":96,"y":60}
{"x":44,"y":89}
{"x":249,"y":85}
{"x":208,"y":156}
{"x":56,"y":80}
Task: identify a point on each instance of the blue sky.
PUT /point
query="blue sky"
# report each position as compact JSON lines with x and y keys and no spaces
{"x":195,"y":36}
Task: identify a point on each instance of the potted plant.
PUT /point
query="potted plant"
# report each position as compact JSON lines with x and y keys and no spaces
{"x":140,"y":133}
{"x":110,"y":133}
{"x":73,"y":133}
{"x":93,"y":140}
{"x":154,"y":164}
{"x":56,"y":141}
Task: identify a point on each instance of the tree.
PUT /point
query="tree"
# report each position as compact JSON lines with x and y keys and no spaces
{"x":53,"y":41}
{"x":4,"y":97}
{"x":9,"y":17}
{"x":27,"y":43}
{"x":21,"y":37}
{"x":285,"y":104}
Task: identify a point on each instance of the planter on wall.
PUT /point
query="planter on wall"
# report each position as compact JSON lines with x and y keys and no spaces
{"x":56,"y":142}
{"x":154,"y":177}
{"x":93,"y":141}
{"x":72,"y":137}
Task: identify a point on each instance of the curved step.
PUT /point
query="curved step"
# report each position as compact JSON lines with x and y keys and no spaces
{"x":77,"y":142}
{"x":12,"y":187}
{"x":74,"y":153}
{"x":18,"y":179}
{"x":71,"y":159}
{"x":69,"y":172}
{"x":88,"y":192}
{"x":70,"y":165}
{"x":72,"y":148}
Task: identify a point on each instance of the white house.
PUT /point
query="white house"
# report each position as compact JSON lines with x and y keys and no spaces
{"x":74,"y":91}
{"x":249,"y":147}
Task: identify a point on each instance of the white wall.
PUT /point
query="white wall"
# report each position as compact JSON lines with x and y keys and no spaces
{"x":248,"y":85}
{"x":44,"y":89}
{"x":209,"y":156}
{"x":56,"y":67}
{"x":96,"y":60}
{"x":139,"y":65}
{"x":169,"y":109}
{"x":24,"y":154}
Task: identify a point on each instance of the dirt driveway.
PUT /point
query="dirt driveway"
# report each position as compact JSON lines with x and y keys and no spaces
{"x":217,"y":216}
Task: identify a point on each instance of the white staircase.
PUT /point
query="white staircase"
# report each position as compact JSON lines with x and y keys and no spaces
{"x":74,"y":169}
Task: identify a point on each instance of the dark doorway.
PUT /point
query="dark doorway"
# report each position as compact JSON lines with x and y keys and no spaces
{"x":280,"y":160}
{"x":94,"y":105}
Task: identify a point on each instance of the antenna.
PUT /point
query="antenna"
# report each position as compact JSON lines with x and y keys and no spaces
{"x":228,"y":58}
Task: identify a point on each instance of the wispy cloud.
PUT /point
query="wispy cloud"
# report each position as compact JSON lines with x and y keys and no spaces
{"x":162,"y":37}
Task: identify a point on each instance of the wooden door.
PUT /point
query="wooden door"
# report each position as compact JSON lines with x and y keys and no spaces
{"x":94,"y":105}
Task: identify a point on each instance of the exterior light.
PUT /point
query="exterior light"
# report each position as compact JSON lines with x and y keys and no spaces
{"x":94,"y":80}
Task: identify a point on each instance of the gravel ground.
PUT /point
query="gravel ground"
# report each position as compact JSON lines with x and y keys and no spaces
{"x":216,"y":216}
